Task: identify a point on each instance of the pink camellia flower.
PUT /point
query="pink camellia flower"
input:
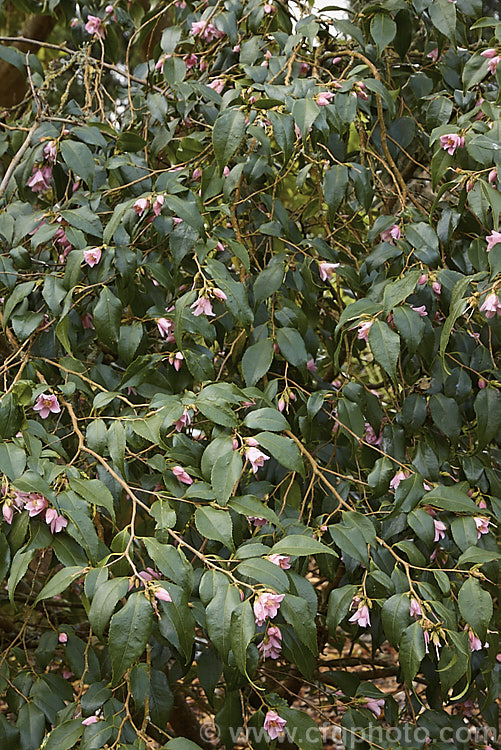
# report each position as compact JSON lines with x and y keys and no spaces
{"x":491,"y":306}
{"x":197,"y":174}
{"x":440,"y":529}
{"x":283,"y":561}
{"x":157,"y":204}
{"x":375,"y":705}
{"x":63,"y":638}
{"x":8,"y":512}
{"x":311,"y":365}
{"x":183,"y":421}
{"x":95,"y":26}
{"x":256,"y":521}
{"x":36,"y":504}
{"x":90,"y":720}
{"x":88,"y":321}
{"x":482,"y":384}
{"x":475,"y":642}
{"x":217,"y":84}
{"x":267,"y":605}
{"x":166,"y":328}
{"x":326,"y":270}
{"x":492,"y":240}
{"x":361,"y":91}
{"x":415,"y":608}
{"x":162,"y":594}
{"x":493,"y":64}
{"x":206,"y":30}
{"x":219,"y":294}
{"x":361,"y":616}
{"x":393,"y":233}
{"x":437,"y":288}
{"x":50,"y":152}
{"x":141,"y":205}
{"x":433,"y":54}
{"x":202,"y":306}
{"x":92,"y":256}
{"x":182,"y":475}
{"x":489,"y":53}
{"x":56,"y":522}
{"x":422,"y":279}
{"x":176,"y":360}
{"x":482,"y":525}
{"x":304,"y":68}
{"x":39,"y":181}
{"x":421,"y":310}
{"x":324,"y":98}
{"x":363,"y":330}
{"x":226,"y":171}
{"x":47,"y":403}
{"x":271,"y":645}
{"x":493,"y":176}
{"x":190,"y":61}
{"x":273,"y":723}
{"x":268,"y":8}
{"x":256,"y":458}
{"x":451,"y":141}
{"x":399,"y":477}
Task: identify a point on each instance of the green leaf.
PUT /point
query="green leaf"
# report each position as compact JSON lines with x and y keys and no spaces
{"x":446,"y":415}
{"x":215,"y":524}
{"x":292,"y":346}
{"x":464,"y":532}
{"x":297,"y":613}
{"x":475,"y":605}
{"x":59,"y":582}
{"x":305,"y":112}
{"x":422,"y":523}
{"x":266,"y":419}
{"x":300,"y":545}
{"x":443,"y":17}
{"x":79,"y":158}
{"x":227,"y":135}
{"x":339,"y":605}
{"x":104,"y":601}
{"x":242,"y":631}
{"x":218,"y":615}
{"x":129,"y":631}
{"x":11,"y":417}
{"x":283,"y":131}
{"x":177,"y":623}
{"x":180,"y":743}
{"x":451,"y":499}
{"x":476,"y":556}
{"x":397,"y":291}
{"x":257,"y":361}
{"x":248,"y":505}
{"x":334,"y":187}
{"x":117,"y":444}
{"x":283,"y":449}
{"x":31,"y":725}
{"x":107,"y":314}
{"x":350,"y":541}
{"x":487,"y":407}
{"x":64,"y":736}
{"x":18,"y":295}
{"x":303,"y":728}
{"x":94,"y":492}
{"x":265,"y":572}
{"x":17,"y":571}
{"x":395,"y":615}
{"x":411,"y":651}
{"x":129,"y":141}
{"x":171,"y":562}
{"x":385,"y":346}
{"x":383,"y":30}
{"x":225,"y":474}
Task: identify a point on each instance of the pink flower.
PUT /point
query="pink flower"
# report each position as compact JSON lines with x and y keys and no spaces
{"x":157,"y":204}
{"x":324,"y":98}
{"x":450,"y":142}
{"x":47,"y":403}
{"x":219,"y":294}
{"x":304,"y":68}
{"x":269,"y":8}
{"x":63,"y":638}
{"x":399,"y":477}
{"x":482,"y":525}
{"x":493,"y":63}
{"x":493,"y":176}
{"x":258,"y":521}
{"x":36,"y":504}
{"x":162,"y":594}
{"x":361,"y":616}
{"x":421,"y":310}
{"x":360,"y":90}
{"x":256,"y":458}
{"x":202,"y":306}
{"x":273,"y":724}
{"x":141,"y":205}
{"x":267,"y":605}
{"x":375,"y":705}
{"x":197,"y":174}
{"x":88,"y":321}
{"x":271,"y":645}
{"x":50,"y":152}
{"x":56,"y":522}
{"x":183,"y":421}
{"x":182,"y":475}
{"x":190,"y":61}
{"x":311,"y":365}
{"x":489,"y":53}
{"x":176,"y":360}
{"x":363,"y":330}
{"x":491,"y":306}
{"x":433,"y":54}
{"x":217,"y":84}
{"x":95,"y":26}
{"x":39,"y":181}
{"x":206,"y":30}
{"x":415,"y":608}
{"x":8,"y":512}
{"x":283,"y":561}
{"x":370,"y":435}
{"x":166,"y":328}
{"x":393,"y":233}
{"x":90,"y":720}
{"x":226,"y":171}
{"x":326,"y":270}
{"x":92,"y":256}
{"x":437,"y":288}
{"x":492,"y":240}
{"x":475,"y":642}
{"x":440,"y":529}
{"x":422,"y":279}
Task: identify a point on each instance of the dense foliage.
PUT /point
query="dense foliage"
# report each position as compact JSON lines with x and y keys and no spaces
{"x":250,"y":408}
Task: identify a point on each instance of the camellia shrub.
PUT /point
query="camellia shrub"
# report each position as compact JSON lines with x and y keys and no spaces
{"x":250,"y":410}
